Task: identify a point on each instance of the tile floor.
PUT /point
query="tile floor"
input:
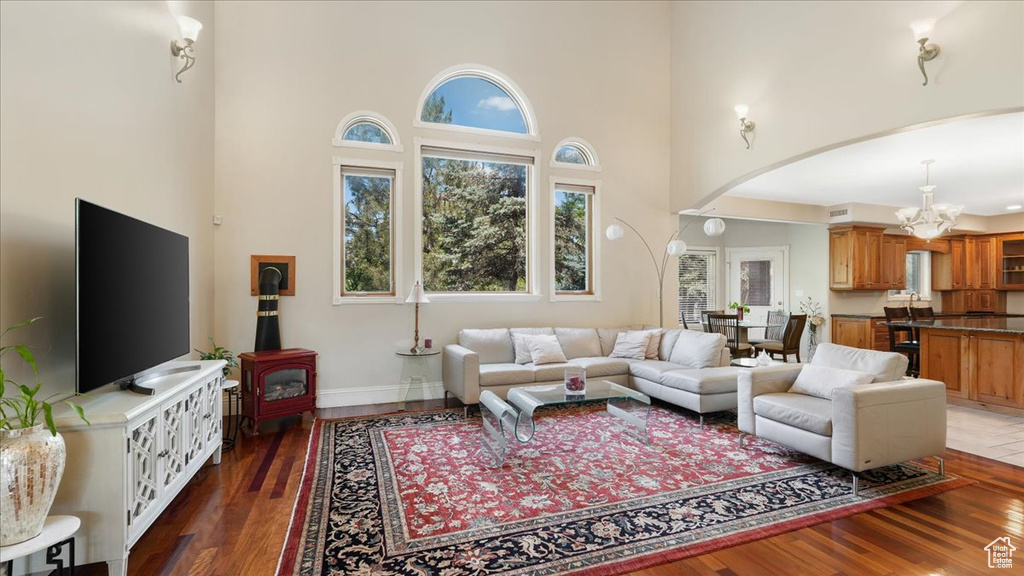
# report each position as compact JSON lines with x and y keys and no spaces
{"x":987,"y":434}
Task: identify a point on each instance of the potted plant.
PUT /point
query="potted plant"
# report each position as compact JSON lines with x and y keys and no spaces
{"x":220,"y":353}
{"x":739,"y":308}
{"x":31,"y":451}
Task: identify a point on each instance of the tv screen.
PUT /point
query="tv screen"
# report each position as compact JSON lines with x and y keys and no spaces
{"x":132,"y":296}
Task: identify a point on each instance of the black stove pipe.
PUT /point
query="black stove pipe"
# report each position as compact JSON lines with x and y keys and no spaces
{"x":268,"y":330}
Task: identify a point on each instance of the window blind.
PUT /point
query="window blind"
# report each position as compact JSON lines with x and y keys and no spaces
{"x":697,"y":283}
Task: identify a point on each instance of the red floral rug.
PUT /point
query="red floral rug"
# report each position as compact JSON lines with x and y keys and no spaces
{"x":416,"y":494}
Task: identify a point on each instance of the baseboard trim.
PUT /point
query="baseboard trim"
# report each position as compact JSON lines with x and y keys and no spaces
{"x":376,"y":395}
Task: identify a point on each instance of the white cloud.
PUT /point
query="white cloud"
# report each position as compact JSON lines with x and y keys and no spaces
{"x":503,"y":103}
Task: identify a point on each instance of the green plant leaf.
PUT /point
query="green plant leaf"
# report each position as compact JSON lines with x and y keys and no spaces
{"x":48,"y":416}
{"x":80,"y":411}
{"x":21,"y":324}
{"x":26,"y":354}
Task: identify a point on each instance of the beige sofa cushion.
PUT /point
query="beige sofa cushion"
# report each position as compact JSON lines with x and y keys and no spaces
{"x":546,"y":372}
{"x":885,"y":366}
{"x":797,"y":410}
{"x":505,"y":374}
{"x":820,"y":381}
{"x":601,"y":367}
{"x":607,"y":338}
{"x":651,"y":369}
{"x":668,"y":340}
{"x":494,"y":346}
{"x":545,"y":349}
{"x":519,"y":345}
{"x":632,"y":344}
{"x":720,"y":380}
{"x":579,"y":342}
{"x":697,"y":349}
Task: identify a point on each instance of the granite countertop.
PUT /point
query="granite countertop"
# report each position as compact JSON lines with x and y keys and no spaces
{"x":1002,"y":324}
{"x":939,"y":315}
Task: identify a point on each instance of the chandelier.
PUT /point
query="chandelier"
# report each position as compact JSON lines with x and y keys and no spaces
{"x":930,"y":219}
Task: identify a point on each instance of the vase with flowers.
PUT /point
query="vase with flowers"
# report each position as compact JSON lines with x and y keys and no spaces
{"x":740,"y":309}
{"x":815,"y":320}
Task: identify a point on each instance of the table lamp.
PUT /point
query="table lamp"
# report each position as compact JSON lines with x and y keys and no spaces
{"x":417,"y":296}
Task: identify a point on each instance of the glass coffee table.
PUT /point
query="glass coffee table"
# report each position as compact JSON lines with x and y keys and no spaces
{"x":516,"y":416}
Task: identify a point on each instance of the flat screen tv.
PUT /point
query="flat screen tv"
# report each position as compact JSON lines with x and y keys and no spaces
{"x":132,"y":295}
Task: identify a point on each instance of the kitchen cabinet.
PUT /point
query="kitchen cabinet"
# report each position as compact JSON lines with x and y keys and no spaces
{"x":863,"y":258}
{"x":949,"y":271}
{"x":980,"y":368}
{"x":964,"y":301}
{"x":867,"y":333}
{"x":981,"y":263}
{"x":1009,"y":261}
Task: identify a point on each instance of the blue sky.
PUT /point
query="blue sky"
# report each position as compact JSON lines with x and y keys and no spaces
{"x":478,"y":103}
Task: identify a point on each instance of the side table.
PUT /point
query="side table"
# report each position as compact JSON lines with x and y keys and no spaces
{"x":234,"y":409}
{"x":57,"y":533}
{"x":415,"y":368}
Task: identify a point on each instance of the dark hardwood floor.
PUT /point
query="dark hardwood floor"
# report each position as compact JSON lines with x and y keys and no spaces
{"x":232,"y":518}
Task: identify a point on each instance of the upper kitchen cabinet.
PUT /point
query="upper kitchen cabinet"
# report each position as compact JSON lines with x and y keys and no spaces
{"x":863,"y":258}
{"x":980,"y":263}
{"x":1009,"y":261}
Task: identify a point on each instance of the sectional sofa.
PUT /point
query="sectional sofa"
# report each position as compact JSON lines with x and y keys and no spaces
{"x":689,"y":369}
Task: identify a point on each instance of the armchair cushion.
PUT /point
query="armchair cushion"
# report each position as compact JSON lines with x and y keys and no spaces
{"x":493,"y":345}
{"x":885,"y":366}
{"x":801,"y":411}
{"x":697,"y":349}
{"x":820,"y":381}
{"x":546,"y":372}
{"x":668,"y":341}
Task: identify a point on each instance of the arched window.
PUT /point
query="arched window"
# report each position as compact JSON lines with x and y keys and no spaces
{"x":364,"y":129}
{"x":475,"y":98}
{"x":575,"y":153}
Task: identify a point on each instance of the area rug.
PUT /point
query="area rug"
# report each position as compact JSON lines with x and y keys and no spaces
{"x":416,"y":494}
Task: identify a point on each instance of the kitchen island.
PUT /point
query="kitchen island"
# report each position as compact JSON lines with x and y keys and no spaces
{"x":981,"y":360}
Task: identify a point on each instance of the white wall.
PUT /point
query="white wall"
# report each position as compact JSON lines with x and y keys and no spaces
{"x":89,"y":108}
{"x":808,"y":257}
{"x":818,"y":73}
{"x":288,"y":72}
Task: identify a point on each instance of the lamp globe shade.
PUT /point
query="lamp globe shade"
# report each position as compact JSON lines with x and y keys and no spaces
{"x":676,"y":248}
{"x":190,"y":27}
{"x":417,"y":295}
{"x":614,"y":231}
{"x":714,"y":227}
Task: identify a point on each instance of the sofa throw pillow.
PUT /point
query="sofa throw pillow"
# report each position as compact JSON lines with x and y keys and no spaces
{"x":631,"y":345}
{"x":522,"y":349}
{"x":544,"y":349}
{"x":607,"y":337}
{"x":653,"y":342}
{"x":697,"y":349}
{"x":820,"y":381}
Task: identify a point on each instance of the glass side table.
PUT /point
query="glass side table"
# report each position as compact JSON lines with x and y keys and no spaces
{"x":415,"y":370}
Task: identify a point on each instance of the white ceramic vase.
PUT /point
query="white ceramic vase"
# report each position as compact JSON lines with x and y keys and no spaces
{"x":31,"y":465}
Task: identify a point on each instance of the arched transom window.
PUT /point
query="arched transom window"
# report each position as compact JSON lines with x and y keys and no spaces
{"x":575,"y":153}
{"x":475,"y":98}
{"x":363,"y":129}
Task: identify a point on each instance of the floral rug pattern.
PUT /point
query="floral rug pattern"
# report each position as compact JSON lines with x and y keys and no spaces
{"x":415,"y":494}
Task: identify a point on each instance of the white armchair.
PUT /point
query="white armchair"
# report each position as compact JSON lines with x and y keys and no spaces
{"x":859,"y":426}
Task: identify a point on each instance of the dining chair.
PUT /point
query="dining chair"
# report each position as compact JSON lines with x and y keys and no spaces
{"x":704,"y":317}
{"x":789,"y":342}
{"x":904,"y":339}
{"x":922,"y":313}
{"x":777,"y":320}
{"x":729,"y":325}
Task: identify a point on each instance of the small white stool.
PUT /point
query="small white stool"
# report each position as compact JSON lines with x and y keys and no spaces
{"x":57,"y":531}
{"x":415,"y":369}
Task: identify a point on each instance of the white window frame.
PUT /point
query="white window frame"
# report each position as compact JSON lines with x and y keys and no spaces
{"x":491,"y":75}
{"x":926,"y":282}
{"x":360,"y":116}
{"x":396,"y":230}
{"x":719,"y":276}
{"x":594,"y":164}
{"x":595,"y":238}
{"x":533,"y":293}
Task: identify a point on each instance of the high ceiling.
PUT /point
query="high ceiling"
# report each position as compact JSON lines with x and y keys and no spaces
{"x":979,"y":163}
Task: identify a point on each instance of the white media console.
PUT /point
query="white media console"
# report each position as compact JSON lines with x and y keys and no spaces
{"x":139,"y":452}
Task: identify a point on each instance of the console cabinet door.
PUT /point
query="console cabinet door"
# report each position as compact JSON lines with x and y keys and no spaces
{"x":195,"y":438}
{"x":174,"y":445}
{"x":212,"y":419}
{"x":143,"y":459}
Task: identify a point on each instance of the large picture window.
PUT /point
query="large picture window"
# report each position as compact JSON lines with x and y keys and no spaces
{"x":697,"y":289}
{"x":574,"y":239}
{"x":365,"y":231}
{"x":474,"y":221}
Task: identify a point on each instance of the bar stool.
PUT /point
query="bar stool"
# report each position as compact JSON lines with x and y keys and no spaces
{"x":904,"y":338}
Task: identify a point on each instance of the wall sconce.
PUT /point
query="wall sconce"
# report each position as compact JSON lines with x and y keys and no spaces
{"x":926,"y":52}
{"x":746,"y":126}
{"x":190,"y":28}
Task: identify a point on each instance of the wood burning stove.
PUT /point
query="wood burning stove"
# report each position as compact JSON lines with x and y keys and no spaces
{"x":277,"y":383}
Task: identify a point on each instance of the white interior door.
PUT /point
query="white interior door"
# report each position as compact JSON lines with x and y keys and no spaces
{"x":759,"y":278}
